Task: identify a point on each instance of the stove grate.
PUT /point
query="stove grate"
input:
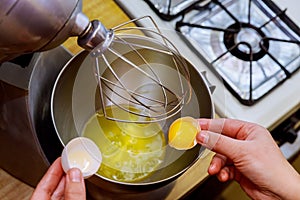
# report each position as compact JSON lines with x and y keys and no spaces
{"x":253,"y":52}
{"x":170,"y":9}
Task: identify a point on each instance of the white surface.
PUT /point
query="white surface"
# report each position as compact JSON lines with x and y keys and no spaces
{"x":270,"y":110}
{"x":292,"y":8}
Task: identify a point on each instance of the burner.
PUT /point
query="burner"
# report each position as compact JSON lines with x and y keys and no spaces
{"x":246,"y":43}
{"x":251,"y":44}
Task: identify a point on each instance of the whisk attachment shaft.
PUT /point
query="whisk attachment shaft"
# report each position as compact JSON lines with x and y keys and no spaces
{"x":95,"y":34}
{"x":100,"y":49}
{"x":141,"y":73}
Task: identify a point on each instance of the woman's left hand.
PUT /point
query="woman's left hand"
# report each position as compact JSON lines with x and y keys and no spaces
{"x":55,"y":184}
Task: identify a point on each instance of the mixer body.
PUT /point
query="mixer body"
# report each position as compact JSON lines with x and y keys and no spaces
{"x":36,"y":25}
{"x":28,"y":143}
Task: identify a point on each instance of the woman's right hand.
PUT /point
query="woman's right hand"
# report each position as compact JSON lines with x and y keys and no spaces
{"x":247,"y":153}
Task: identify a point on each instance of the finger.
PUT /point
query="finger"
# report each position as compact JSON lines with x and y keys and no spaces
{"x":49,"y":182}
{"x":226,"y":174}
{"x":215,"y":125}
{"x":223,"y":175}
{"x":230,"y":127}
{"x":60,"y":190}
{"x":216,"y":164}
{"x":75,"y":188}
{"x":221,"y":144}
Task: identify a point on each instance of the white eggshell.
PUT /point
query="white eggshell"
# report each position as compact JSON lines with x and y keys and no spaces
{"x":82,"y":153}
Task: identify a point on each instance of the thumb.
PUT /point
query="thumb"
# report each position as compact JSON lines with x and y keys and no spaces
{"x":75,"y":187}
{"x":218,"y":143}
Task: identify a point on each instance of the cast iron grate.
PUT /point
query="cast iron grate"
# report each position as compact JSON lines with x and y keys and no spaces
{"x":253,"y":51}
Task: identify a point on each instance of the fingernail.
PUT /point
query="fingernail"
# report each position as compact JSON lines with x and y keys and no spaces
{"x":212,"y":167}
{"x":203,"y":124}
{"x":203,"y":137}
{"x":224,"y":175}
{"x":75,"y":175}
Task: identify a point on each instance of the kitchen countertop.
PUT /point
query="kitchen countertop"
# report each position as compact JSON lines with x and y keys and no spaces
{"x":110,"y":15}
{"x":11,"y":188}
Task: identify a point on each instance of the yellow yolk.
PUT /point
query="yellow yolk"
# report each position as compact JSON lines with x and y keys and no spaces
{"x":182,"y":133}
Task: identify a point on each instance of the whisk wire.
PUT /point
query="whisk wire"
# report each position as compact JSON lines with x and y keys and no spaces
{"x":155,"y":78}
{"x":165,"y":40}
{"x":134,"y":94}
{"x":115,"y":90}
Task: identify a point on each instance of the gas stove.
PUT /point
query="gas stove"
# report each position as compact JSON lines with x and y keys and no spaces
{"x":249,"y":49}
{"x":252,"y":47}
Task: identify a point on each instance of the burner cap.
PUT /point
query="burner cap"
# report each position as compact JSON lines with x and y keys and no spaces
{"x":238,"y":43}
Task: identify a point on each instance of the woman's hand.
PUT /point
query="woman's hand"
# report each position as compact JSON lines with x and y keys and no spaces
{"x":247,"y":153}
{"x":55,"y":184}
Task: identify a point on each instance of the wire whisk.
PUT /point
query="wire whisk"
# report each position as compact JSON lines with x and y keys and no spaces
{"x":141,"y":73}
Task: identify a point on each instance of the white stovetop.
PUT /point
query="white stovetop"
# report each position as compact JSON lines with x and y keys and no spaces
{"x":272,"y":108}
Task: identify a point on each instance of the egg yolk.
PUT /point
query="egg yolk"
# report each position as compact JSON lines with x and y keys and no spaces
{"x":182,"y":133}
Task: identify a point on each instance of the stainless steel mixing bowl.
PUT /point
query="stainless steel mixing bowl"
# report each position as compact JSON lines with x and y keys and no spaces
{"x":76,"y":98}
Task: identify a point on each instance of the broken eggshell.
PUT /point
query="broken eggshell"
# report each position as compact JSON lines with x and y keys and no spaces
{"x":81,"y":153}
